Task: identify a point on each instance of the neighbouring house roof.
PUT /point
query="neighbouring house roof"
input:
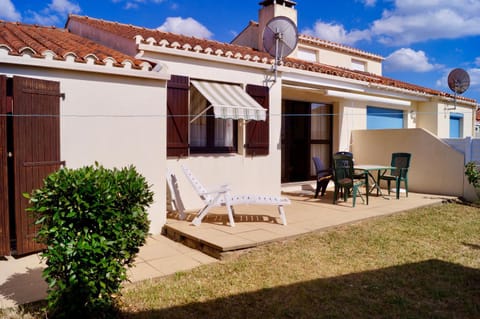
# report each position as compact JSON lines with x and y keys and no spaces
{"x":210,"y":47}
{"x":57,"y":44}
{"x":307,"y":39}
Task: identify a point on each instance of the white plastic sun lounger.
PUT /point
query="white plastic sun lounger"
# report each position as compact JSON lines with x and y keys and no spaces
{"x":221,"y":196}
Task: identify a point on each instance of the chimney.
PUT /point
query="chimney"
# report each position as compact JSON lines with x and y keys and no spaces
{"x":271,"y":9}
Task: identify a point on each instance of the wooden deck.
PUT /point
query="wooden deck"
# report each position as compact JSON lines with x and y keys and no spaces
{"x":258,"y":225}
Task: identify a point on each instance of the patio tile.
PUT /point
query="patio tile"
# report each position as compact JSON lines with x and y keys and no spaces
{"x":259,"y":235}
{"x":170,"y":265}
{"x":143,"y":271}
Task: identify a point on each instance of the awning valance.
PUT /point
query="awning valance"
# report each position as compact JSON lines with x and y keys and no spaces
{"x":230,"y":101}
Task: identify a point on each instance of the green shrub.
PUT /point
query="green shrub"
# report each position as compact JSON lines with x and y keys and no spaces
{"x":93,"y":221}
{"x":473,"y":174}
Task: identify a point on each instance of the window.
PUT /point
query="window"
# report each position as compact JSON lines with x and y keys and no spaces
{"x":358,"y":65}
{"x":382,"y":118}
{"x":456,"y":124}
{"x":202,"y":117}
{"x":307,"y":54}
{"x":207,"y":133}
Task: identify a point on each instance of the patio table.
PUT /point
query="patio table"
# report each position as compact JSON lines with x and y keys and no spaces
{"x":368,"y":169}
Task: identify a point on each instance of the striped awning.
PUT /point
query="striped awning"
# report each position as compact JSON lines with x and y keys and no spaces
{"x":230,"y":101}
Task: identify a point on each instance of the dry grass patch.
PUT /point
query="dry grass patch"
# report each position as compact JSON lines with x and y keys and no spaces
{"x":424,"y":263}
{"x":419,"y":264}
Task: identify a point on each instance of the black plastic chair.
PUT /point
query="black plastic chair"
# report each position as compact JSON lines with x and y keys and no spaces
{"x":344,"y":153}
{"x":344,"y":178}
{"x":356,"y":176}
{"x":324,"y":175}
{"x":401,"y":162}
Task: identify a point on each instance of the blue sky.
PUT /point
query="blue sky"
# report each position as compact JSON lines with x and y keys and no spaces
{"x":421,"y":40}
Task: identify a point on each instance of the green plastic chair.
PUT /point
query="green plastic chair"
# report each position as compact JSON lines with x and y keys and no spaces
{"x":401,"y":162}
{"x":344,"y":178}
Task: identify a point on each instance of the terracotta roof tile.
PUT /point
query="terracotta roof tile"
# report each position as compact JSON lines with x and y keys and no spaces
{"x":38,"y":41}
{"x":307,"y":39}
{"x":171,"y":40}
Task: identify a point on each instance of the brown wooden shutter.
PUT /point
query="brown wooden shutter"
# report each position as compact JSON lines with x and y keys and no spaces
{"x":177,"y":116}
{"x":4,"y":218}
{"x":257,"y":139}
{"x":36,"y":148}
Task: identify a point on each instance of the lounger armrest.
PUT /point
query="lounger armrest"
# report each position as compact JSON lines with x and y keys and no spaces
{"x":222,"y":189}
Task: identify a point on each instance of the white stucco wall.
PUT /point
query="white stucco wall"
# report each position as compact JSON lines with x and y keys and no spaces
{"x":245,"y":174}
{"x":344,"y":60}
{"x":115,"y":120}
{"x":435,"y":117}
{"x":435,"y":168}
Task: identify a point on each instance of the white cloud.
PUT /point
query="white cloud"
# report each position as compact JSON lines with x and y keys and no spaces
{"x":8,"y":11}
{"x":135,"y":4}
{"x":188,"y":26}
{"x":54,"y":13}
{"x":64,"y":7}
{"x":477,"y":61}
{"x":410,"y":21}
{"x":414,"y":21}
{"x":408,"y":60}
{"x":336,"y":33}
{"x":370,"y":3}
{"x":43,"y":19}
{"x":131,"y":5}
{"x":474,"y":74}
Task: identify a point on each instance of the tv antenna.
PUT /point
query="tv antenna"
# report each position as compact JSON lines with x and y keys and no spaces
{"x":280,"y":38}
{"x":458,"y":82}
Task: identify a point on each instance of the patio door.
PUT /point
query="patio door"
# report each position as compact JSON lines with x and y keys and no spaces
{"x":31,"y":151}
{"x":306,"y":132}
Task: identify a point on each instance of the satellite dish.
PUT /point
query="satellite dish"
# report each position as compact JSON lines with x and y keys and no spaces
{"x":458,"y":81}
{"x":280,"y":38}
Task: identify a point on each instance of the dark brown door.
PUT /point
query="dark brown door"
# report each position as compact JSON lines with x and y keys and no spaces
{"x":36,"y":149}
{"x":306,"y":132}
{"x":296,"y":141}
{"x":4,"y":218}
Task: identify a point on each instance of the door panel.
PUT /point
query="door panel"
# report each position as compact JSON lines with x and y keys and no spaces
{"x":4,"y":212}
{"x":36,"y":149}
{"x":296,"y":142}
{"x":306,"y":132}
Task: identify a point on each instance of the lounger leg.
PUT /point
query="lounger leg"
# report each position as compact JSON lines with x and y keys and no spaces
{"x":201,"y":214}
{"x":231,"y":218}
{"x":204,"y":211}
{"x":282,"y":215}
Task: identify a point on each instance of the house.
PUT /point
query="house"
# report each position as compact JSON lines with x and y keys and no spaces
{"x":324,"y":90}
{"x":66,"y":100}
{"x":223,"y":110}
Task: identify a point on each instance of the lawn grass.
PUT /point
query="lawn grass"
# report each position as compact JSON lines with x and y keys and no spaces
{"x":423,"y":263}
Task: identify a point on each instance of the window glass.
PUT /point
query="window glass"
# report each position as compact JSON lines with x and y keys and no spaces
{"x":208,"y":134}
{"x":307,"y":54}
{"x":198,"y":128}
{"x":383,"y":118}
{"x":456,"y":120}
{"x":320,"y":121}
{"x":359,"y":65}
